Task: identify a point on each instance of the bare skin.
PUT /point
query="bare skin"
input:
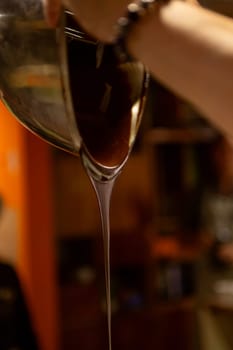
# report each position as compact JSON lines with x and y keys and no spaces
{"x":52,"y":9}
{"x":186,"y":47}
{"x":92,"y":13}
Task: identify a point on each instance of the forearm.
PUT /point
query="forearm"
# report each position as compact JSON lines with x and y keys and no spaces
{"x":190,"y":50}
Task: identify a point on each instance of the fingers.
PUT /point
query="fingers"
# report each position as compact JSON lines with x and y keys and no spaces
{"x":194,"y":2}
{"x":52,"y":9}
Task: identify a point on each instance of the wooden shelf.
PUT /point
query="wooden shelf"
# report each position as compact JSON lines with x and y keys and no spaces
{"x":172,"y":249}
{"x":149,"y":200}
{"x":179,"y":135}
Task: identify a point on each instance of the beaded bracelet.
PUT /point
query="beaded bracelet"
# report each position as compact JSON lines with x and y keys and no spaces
{"x":135,"y":11}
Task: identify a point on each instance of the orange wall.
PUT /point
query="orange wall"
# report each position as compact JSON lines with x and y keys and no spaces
{"x":25,"y":183}
{"x":10,"y":154}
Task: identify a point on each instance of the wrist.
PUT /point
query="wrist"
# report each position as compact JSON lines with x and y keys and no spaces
{"x":137,"y":13}
{"x":151,"y":31}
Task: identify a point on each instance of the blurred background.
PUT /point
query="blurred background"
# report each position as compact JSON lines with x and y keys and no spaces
{"x":171,"y":238}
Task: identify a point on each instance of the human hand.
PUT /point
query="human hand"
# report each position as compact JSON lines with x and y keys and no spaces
{"x":97,"y":17}
{"x":194,"y":2}
{"x":52,"y":9}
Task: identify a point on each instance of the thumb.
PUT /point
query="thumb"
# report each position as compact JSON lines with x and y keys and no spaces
{"x":52,"y":9}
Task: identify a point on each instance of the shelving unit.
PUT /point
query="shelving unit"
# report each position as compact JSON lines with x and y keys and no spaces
{"x":153,"y":244}
{"x":163,"y":135}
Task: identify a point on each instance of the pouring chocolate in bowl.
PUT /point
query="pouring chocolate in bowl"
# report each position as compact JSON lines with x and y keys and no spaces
{"x":65,"y":87}
{"x":73,"y":92}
